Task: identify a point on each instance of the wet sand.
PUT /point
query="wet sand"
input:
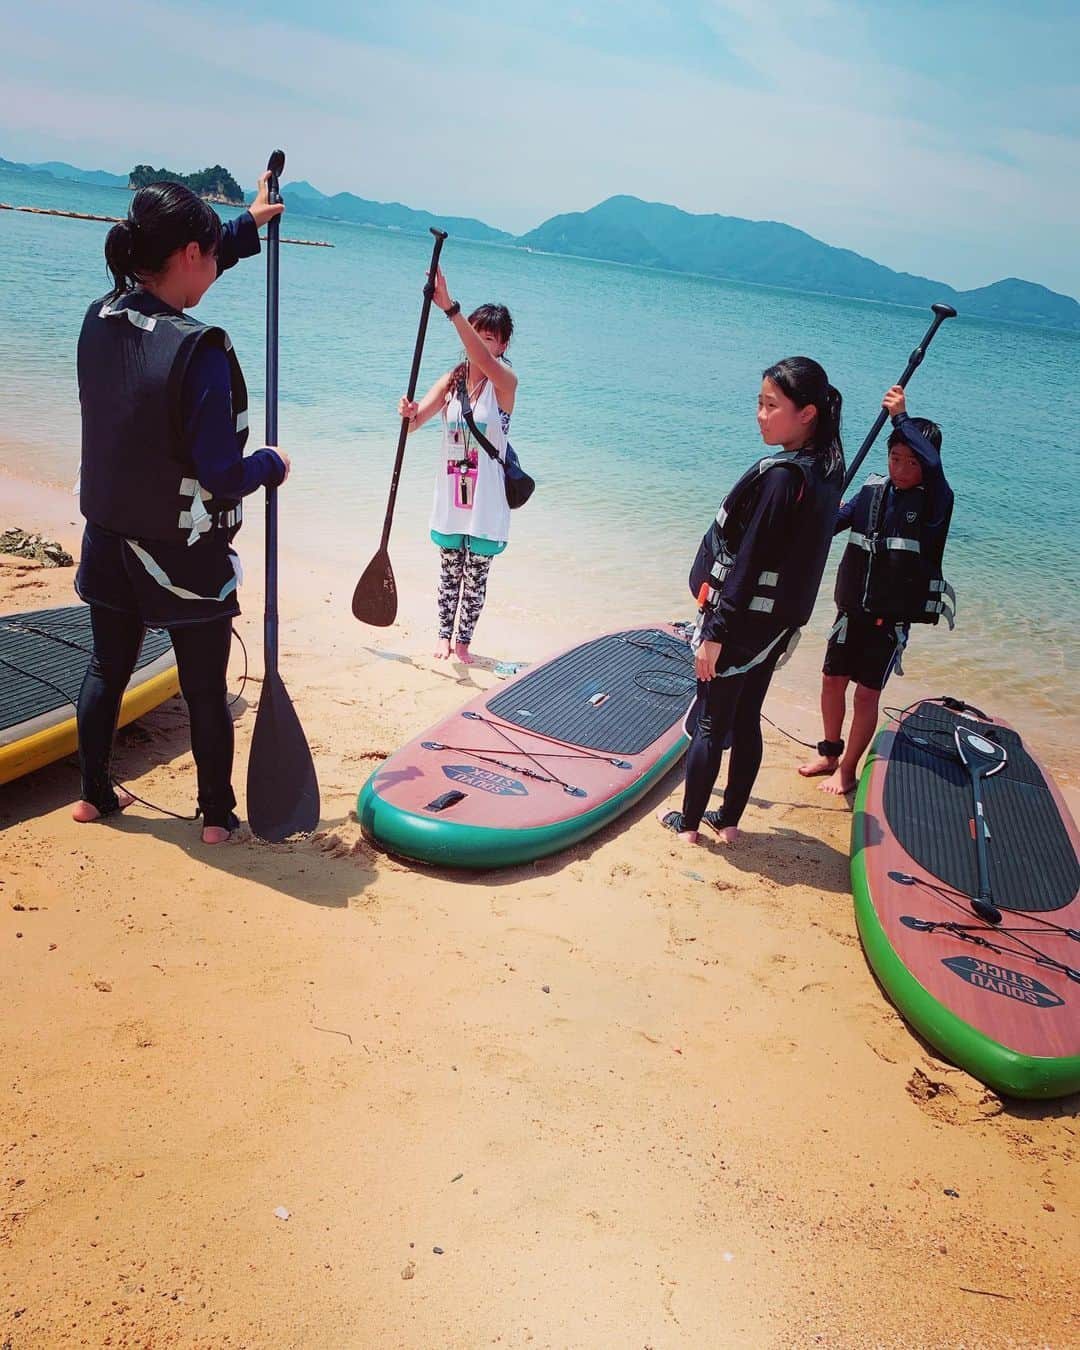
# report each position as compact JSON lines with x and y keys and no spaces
{"x":638,"y":1094}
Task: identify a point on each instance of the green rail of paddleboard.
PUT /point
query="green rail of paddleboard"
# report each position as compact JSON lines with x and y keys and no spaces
{"x":1004,"y":1070}
{"x":432,"y":839}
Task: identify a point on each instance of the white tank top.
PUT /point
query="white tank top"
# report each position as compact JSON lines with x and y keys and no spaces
{"x":469,"y":494}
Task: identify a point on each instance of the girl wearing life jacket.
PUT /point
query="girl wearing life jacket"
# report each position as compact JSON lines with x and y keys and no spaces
{"x":889,"y":578}
{"x":470,"y":517}
{"x":164,"y":423}
{"x":756,"y":577}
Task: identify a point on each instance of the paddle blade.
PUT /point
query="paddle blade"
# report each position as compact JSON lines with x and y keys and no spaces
{"x":375,"y":598}
{"x":282,"y":789}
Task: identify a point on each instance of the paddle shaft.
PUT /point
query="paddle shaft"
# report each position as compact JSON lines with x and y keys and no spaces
{"x":270,"y":612}
{"x":914,"y":362}
{"x":414,"y":375}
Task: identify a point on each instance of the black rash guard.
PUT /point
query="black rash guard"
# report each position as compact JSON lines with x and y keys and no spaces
{"x":763,"y":544}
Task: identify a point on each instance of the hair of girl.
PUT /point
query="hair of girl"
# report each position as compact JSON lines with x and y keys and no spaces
{"x":803,"y":381}
{"x":485,"y":319}
{"x":162,"y":218}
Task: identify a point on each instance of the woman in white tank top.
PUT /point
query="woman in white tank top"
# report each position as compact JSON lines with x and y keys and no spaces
{"x":470,"y":518}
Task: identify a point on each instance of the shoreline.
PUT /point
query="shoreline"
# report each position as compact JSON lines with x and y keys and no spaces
{"x":305,"y":1095}
{"x":508,"y":631}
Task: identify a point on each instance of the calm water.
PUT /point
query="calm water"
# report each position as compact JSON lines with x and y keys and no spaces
{"x":635,"y":414}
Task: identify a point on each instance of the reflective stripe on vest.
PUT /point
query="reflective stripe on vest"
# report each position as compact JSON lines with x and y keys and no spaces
{"x":946,"y":605}
{"x":158,"y":573}
{"x":894,"y":541}
{"x":198,"y":521}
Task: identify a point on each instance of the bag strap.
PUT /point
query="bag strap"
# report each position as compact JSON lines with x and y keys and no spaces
{"x":466,"y":412}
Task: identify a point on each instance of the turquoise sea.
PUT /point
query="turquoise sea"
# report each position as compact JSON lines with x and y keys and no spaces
{"x":635,"y":414}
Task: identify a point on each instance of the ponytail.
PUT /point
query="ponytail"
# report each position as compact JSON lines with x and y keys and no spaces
{"x":162,"y":218}
{"x":804,"y":382}
{"x":119,"y":256}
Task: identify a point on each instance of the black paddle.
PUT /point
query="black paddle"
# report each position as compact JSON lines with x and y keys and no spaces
{"x":941,"y":313}
{"x":375,"y":598}
{"x":282,"y":789}
{"x":982,"y":758}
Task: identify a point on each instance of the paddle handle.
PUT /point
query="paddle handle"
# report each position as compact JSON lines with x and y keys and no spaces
{"x":941,"y":313}
{"x":414,"y":375}
{"x":981,"y":859}
{"x":273,"y":230}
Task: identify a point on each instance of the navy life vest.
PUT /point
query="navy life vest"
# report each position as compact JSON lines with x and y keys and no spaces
{"x":889,"y":576}
{"x":787,"y":595}
{"x":136,"y":479}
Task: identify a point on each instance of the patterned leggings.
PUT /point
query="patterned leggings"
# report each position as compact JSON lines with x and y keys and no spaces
{"x":463,"y":578}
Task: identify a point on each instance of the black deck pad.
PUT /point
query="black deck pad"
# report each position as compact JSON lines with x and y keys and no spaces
{"x":928,"y":804}
{"x":642,"y":682}
{"x":51,"y":645}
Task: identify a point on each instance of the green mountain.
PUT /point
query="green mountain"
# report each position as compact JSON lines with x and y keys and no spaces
{"x":99,"y":177}
{"x":216,"y":183}
{"x":652,"y":234}
{"x":1021,"y":302}
{"x":10,"y":166}
{"x":656,"y":235}
{"x":302,"y":188}
{"x":388,"y":215}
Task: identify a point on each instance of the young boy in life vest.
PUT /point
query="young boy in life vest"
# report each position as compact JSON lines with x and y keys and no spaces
{"x":889,"y":577}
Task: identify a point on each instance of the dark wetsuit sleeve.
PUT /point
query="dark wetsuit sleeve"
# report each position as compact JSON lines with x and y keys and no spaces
{"x":927,"y":455}
{"x":210,"y":431}
{"x":239,"y":239}
{"x":939,"y":496}
{"x":843,"y":518}
{"x":761,"y":549}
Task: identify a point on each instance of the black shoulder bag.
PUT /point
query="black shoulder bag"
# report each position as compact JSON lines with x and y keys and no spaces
{"x":518,"y":485}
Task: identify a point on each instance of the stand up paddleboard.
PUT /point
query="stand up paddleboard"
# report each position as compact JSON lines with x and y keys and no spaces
{"x":43,"y":657}
{"x":541,"y":762}
{"x":967,"y":896}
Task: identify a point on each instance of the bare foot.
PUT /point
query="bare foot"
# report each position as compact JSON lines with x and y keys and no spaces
{"x":442,"y":649}
{"x":461,"y":651}
{"x":688,"y":836}
{"x":215,"y":834}
{"x":823,"y":764}
{"x":839,"y":784}
{"x":727,"y":834}
{"x":84,"y":812}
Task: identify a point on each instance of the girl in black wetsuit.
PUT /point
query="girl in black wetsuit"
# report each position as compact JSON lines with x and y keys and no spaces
{"x":164,"y":422}
{"x":756,"y":577}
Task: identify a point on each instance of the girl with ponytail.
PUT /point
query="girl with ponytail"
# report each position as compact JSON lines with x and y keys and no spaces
{"x":470,"y":516}
{"x":163,"y":470}
{"x":755,"y":578}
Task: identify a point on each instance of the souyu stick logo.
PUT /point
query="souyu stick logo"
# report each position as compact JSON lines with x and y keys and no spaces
{"x":1003,"y":980}
{"x":496,"y":783}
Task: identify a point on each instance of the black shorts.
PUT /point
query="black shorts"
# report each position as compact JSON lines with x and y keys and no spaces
{"x":191,"y":585}
{"x":865,"y":651}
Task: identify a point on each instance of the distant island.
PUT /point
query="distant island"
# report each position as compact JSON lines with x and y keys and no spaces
{"x":215,"y":184}
{"x":765,"y":252}
{"x":626,"y":229}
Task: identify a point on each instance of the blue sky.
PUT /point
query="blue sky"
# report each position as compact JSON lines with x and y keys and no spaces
{"x":942,"y":139}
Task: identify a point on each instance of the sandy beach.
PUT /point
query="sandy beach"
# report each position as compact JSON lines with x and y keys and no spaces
{"x":639,"y":1094}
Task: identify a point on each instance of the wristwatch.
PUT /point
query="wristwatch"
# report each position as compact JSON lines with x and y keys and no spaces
{"x":454,"y":310}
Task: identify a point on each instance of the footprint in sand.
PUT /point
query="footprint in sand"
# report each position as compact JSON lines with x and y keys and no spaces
{"x":958,"y":1102}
